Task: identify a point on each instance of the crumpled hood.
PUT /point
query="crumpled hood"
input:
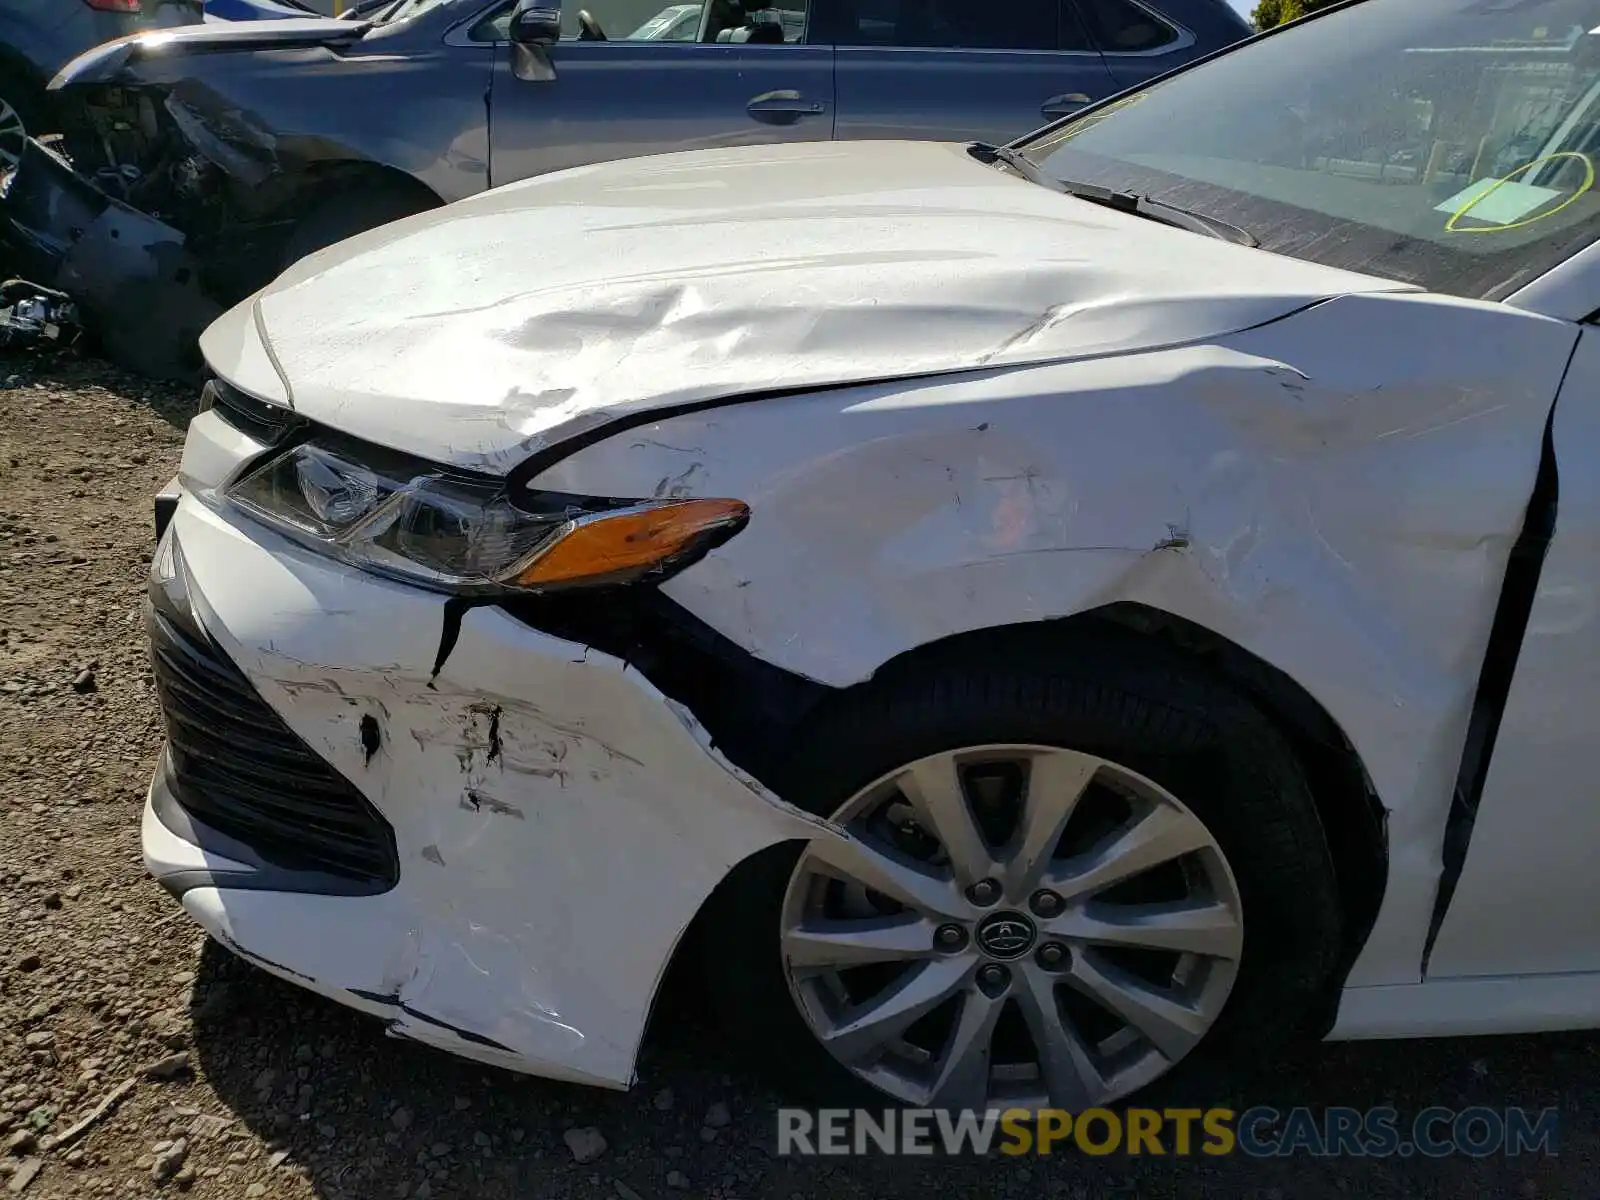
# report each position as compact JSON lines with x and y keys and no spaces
{"x":502,"y":324}
{"x":103,"y":62}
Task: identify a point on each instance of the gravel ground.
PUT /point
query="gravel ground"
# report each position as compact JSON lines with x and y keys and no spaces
{"x":223,"y":1082}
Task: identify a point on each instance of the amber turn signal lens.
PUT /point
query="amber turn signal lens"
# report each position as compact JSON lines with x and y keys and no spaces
{"x":631,"y":542}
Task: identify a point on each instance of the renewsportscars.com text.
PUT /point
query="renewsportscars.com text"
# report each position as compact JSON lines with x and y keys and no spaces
{"x":1259,"y":1132}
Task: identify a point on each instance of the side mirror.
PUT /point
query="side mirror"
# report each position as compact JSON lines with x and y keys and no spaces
{"x":535,"y":27}
{"x":534,"y":23}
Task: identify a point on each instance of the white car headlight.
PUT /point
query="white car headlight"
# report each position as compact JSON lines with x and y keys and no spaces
{"x":410,"y":519}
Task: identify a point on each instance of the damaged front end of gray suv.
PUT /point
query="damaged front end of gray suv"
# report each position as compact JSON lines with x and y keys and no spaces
{"x":169,"y":195}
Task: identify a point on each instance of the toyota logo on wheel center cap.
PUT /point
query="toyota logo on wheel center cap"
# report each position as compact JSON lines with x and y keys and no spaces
{"x":1005,"y":935}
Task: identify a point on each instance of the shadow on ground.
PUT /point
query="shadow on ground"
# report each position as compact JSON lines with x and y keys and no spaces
{"x":70,"y":370}
{"x":362,"y":1115}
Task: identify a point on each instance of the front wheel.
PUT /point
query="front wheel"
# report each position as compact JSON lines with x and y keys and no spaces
{"x":1058,"y":884}
{"x":21,"y":107}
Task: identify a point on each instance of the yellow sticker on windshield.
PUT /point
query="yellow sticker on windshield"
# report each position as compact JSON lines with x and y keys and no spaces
{"x":1507,"y":203}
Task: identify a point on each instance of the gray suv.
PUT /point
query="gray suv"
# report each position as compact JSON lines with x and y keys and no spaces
{"x":37,"y":37}
{"x":197,"y":167}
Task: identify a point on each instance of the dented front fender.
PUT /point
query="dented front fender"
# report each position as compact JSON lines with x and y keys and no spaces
{"x":1335,"y":493}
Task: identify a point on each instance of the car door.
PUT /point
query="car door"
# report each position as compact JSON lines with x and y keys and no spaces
{"x":959,"y":70}
{"x":1527,"y":901}
{"x":662,"y":81}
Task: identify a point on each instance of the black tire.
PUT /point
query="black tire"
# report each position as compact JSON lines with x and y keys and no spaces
{"x":1113,"y":696}
{"x":345,"y":213}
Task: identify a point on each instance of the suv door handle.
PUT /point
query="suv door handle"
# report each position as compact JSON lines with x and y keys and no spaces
{"x":783,"y":107}
{"x":1060,"y":106}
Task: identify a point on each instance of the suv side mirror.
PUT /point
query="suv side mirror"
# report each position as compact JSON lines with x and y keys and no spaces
{"x":534,"y":23}
{"x":535,"y":27}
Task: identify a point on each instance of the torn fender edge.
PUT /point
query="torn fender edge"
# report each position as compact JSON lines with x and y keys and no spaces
{"x":403,"y":1022}
{"x":1506,"y":636}
{"x":401,"y":1007}
{"x":396,"y":1024}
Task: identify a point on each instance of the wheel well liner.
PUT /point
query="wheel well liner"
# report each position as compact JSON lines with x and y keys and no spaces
{"x":317,"y":182}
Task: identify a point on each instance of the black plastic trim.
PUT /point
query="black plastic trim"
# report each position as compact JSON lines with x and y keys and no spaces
{"x":167,"y":506}
{"x":266,"y":423}
{"x":236,"y":764}
{"x":262,"y":876}
{"x":751,"y":708}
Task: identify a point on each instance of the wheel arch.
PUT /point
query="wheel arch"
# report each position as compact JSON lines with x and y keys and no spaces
{"x":316,"y":182}
{"x":1353,"y":819}
{"x":1352,"y":816}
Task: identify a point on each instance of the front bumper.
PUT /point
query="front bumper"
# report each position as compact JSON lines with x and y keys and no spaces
{"x":133,"y":277}
{"x":557,"y":822}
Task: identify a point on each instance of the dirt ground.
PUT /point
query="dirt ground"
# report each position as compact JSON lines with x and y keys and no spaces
{"x":223,"y":1082}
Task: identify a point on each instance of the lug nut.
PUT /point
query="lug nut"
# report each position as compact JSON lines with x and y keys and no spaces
{"x":985,"y":891}
{"x":1045,"y":903}
{"x":993,"y":979}
{"x":950,"y":937}
{"x":1052,"y":956}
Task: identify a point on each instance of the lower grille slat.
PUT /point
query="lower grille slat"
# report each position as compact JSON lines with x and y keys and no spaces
{"x":237,"y":767}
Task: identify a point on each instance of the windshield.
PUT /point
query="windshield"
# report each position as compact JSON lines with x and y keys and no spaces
{"x":1447,"y":143}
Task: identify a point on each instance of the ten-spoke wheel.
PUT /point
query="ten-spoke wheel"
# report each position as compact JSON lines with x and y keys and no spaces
{"x":1052,"y":878}
{"x":1012,"y":926}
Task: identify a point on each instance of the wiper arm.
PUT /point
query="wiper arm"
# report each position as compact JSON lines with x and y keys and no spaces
{"x":1132,"y":203}
{"x":1018,"y":162}
{"x":1140,"y":205}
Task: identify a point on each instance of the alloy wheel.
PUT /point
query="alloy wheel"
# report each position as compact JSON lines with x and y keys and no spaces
{"x":1012,"y":926}
{"x":13,"y":133}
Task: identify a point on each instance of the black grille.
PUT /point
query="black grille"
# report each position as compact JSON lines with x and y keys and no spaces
{"x":236,"y":767}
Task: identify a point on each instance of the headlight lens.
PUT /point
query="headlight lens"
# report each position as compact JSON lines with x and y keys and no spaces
{"x":403,"y":517}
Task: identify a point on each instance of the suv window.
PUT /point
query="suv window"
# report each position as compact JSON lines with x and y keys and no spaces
{"x":732,"y":21}
{"x":960,"y":24}
{"x":1123,"y":27}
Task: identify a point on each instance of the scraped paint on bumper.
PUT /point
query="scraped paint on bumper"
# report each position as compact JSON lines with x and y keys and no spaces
{"x":558,"y":821}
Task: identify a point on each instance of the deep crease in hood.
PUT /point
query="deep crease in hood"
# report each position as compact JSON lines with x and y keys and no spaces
{"x":103,"y":63}
{"x":503,"y":324}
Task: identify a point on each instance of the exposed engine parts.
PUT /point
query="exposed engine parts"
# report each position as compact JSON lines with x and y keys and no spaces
{"x":30,"y":314}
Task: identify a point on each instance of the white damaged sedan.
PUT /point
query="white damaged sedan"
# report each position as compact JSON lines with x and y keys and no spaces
{"x":1021,"y":619}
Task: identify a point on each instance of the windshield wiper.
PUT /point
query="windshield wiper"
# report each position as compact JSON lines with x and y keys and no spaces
{"x":1159,"y":210}
{"x":1018,"y":162}
{"x":1132,"y":203}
